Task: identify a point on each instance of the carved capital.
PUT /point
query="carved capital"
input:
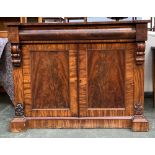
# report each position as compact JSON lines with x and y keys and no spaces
{"x":140,"y":53}
{"x":19,"y":110}
{"x":16,"y":55}
{"x":138,"y":109}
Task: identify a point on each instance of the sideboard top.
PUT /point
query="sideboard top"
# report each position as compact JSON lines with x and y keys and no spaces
{"x":112,"y":30}
{"x":82,"y":23}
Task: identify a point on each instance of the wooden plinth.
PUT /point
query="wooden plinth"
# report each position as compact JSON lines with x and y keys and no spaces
{"x":140,"y":124}
{"x":21,"y":124}
{"x":18,"y":125}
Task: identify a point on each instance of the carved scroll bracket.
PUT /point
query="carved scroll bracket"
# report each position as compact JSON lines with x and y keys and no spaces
{"x":138,"y":109}
{"x":140,"y":53}
{"x":19,"y":110}
{"x":16,"y":55}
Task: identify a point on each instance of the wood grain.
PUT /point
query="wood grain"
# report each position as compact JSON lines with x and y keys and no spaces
{"x":18,"y":86}
{"x":18,"y":125}
{"x":76,"y":123}
{"x":121,"y":76}
{"x":141,"y":32}
{"x":139,"y":123}
{"x":3,"y":34}
{"x":53,"y":68}
{"x":71,"y":34}
{"x":50,"y":94}
{"x":106,"y":78}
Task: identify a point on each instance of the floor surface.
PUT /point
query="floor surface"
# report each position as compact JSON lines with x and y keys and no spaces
{"x":7,"y":112}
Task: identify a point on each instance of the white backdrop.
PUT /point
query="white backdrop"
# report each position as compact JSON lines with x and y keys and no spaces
{"x":148,"y":61}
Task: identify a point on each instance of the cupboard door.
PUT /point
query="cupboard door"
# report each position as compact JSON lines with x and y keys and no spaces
{"x":50,"y":80}
{"x":106,"y":79}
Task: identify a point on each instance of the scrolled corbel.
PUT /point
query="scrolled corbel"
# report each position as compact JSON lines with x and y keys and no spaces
{"x":16,"y":55}
{"x":140,"y":53}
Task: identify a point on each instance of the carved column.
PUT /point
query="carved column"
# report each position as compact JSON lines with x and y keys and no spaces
{"x":16,"y":61}
{"x":139,"y":78}
{"x":139,"y":122}
{"x":18,"y":124}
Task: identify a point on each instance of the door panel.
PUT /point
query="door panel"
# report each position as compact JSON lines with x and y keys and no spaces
{"x":50,"y":80}
{"x":104,"y":73}
{"x":106,"y":79}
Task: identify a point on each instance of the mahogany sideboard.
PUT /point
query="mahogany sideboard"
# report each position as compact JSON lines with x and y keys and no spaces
{"x":79,"y":75}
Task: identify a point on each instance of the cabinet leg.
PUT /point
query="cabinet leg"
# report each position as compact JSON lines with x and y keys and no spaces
{"x":18,"y":125}
{"x":140,"y":124}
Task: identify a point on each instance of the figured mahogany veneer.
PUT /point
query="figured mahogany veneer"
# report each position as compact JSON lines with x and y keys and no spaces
{"x":43,"y":65}
{"x":106,"y":78}
{"x":3,"y":34}
{"x":79,"y":75}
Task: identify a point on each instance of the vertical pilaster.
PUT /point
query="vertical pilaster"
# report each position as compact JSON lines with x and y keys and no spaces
{"x":139,"y":122}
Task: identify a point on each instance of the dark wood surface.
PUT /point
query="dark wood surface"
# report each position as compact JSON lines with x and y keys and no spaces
{"x":127,"y":23}
{"x":50,"y":69}
{"x":106,"y":79}
{"x":80,"y":75}
{"x":85,"y":34}
{"x":106,"y":69}
{"x":52,"y":66}
{"x":3,"y":20}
